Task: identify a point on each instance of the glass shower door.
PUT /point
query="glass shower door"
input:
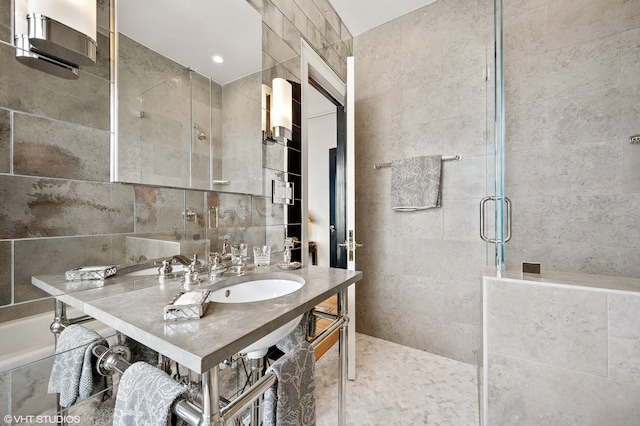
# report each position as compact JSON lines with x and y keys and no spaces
{"x":501,"y":204}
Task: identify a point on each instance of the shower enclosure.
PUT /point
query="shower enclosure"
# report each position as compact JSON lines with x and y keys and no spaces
{"x":567,"y":102}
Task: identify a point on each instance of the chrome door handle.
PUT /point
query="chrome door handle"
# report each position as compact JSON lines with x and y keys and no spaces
{"x":350,"y":245}
{"x":484,"y":201}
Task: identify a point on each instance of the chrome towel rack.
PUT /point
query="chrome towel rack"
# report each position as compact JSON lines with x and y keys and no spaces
{"x":456,"y":157}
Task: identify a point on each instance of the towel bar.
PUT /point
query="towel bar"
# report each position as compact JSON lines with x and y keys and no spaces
{"x":116,"y":359}
{"x":456,"y":157}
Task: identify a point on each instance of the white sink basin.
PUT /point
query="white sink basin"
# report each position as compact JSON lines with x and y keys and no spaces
{"x":256,"y":289}
{"x":152,"y":271}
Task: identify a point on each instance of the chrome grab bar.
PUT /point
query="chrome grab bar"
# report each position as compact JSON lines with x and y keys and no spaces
{"x":483,"y":235}
{"x":116,"y":359}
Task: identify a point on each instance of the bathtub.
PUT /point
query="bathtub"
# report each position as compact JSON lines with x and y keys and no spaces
{"x":29,"y":339}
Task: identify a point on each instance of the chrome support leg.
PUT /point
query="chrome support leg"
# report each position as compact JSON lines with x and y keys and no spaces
{"x":257,"y":365}
{"x":342,"y":363}
{"x":210,"y":398}
{"x":60,"y":321}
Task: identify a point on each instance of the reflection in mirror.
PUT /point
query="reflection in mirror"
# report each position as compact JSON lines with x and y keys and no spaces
{"x":183,"y":120}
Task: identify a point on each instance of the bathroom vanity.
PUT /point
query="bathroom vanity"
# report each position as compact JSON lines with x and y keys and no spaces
{"x":134,"y":306}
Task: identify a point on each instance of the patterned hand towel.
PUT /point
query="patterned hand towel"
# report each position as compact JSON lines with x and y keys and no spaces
{"x":145,"y":396}
{"x":415,"y":183}
{"x":297,"y":336}
{"x":73,"y":373}
{"x":292,"y":400}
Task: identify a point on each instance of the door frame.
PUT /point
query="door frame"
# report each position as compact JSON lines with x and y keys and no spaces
{"x":315,"y":68}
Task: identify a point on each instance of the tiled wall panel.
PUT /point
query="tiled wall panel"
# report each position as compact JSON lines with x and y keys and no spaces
{"x":420,"y":90}
{"x":561,"y":354}
{"x":572,"y":102}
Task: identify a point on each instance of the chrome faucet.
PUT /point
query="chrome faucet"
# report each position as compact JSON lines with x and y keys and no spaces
{"x":191,"y":274}
{"x":216,"y":265}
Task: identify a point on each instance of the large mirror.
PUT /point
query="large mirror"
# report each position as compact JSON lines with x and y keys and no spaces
{"x":185,"y":119}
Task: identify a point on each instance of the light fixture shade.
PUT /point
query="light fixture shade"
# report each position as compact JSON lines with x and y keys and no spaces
{"x":25,"y":56}
{"x":77,"y":14}
{"x":63,"y":30}
{"x":281,"y":110}
{"x":266,"y":107}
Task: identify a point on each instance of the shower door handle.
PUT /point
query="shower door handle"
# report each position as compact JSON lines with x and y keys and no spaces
{"x":483,"y":235}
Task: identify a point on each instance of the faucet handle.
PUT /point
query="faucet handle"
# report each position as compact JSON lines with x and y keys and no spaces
{"x":216,"y":266}
{"x":166,"y":267}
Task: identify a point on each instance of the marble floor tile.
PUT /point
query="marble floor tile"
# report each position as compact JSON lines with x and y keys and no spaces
{"x":398,"y":385}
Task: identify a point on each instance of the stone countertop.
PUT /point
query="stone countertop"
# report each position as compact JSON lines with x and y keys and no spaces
{"x":134,"y":305}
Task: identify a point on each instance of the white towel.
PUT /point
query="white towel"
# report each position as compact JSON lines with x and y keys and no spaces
{"x":415,"y":183}
{"x":73,"y":373}
{"x":145,"y":396}
{"x":292,"y":400}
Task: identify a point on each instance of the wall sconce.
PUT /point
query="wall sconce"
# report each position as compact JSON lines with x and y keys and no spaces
{"x":277,"y":115}
{"x":58,"y":35}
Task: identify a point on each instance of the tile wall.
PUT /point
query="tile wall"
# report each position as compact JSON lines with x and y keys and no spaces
{"x":572,"y":88}
{"x":420,"y":90}
{"x":572,"y":100}
{"x":561,"y":354}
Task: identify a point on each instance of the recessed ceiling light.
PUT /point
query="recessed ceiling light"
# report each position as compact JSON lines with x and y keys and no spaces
{"x":217,"y":59}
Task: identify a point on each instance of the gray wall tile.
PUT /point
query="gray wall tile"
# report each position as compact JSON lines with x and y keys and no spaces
{"x":159,"y":209}
{"x":5,"y":141}
{"x":5,"y":391}
{"x":264,"y":212}
{"x":40,"y":256}
{"x":234,"y":210}
{"x":84,"y":101}
{"x":530,"y":393}
{"x":435,"y":104}
{"x":630,"y":56}
{"x":624,"y":339}
{"x":564,"y":67}
{"x":549,"y":325}
{"x":5,"y":22}
{"x":49,"y":148}
{"x":598,"y":19}
{"x":29,"y":389}
{"x":49,"y":207}
{"x":6,"y":253}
